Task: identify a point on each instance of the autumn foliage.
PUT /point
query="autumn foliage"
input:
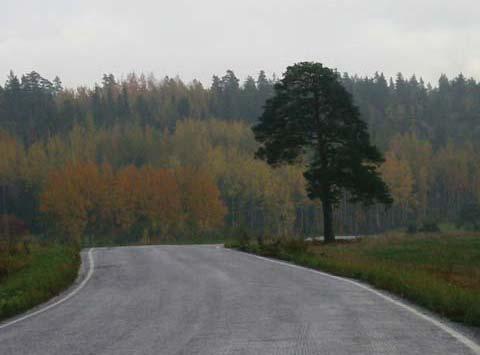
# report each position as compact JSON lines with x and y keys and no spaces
{"x":98,"y":183}
{"x":154,"y":203}
{"x":198,"y":190}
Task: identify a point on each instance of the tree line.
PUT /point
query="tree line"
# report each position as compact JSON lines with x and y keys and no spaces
{"x":34,"y":108}
{"x":426,"y":184}
{"x":428,"y":136}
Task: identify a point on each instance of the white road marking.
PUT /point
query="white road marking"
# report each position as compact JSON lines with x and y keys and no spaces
{"x":67,"y":297}
{"x":460,"y":337}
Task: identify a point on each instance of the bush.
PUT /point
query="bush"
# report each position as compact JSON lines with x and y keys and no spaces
{"x":16,"y":227}
{"x":13,"y":235}
{"x":244,"y":238}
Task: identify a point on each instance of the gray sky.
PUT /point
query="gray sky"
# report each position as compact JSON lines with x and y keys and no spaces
{"x":81,"y":39}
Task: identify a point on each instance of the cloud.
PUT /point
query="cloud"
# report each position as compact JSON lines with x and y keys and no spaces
{"x":80,"y":40}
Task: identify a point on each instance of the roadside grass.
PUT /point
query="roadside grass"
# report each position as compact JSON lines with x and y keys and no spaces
{"x":439,"y":272}
{"x":27,"y":280}
{"x":188,"y":240}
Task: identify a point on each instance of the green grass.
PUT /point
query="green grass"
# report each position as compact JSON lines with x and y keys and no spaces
{"x":439,"y":272}
{"x":30,"y":279}
{"x":451,"y":228}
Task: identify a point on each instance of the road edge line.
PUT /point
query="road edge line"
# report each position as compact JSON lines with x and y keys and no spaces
{"x":452,"y":332}
{"x":91,"y":264}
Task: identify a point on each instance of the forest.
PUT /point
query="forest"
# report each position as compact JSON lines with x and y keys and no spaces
{"x":140,"y":159}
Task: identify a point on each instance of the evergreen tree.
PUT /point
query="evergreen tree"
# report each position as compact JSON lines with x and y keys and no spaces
{"x":57,"y":85}
{"x":124,"y":104}
{"x":311,"y":118}
{"x":248,"y":104}
{"x":216,"y":96}
{"x":265,"y":91}
{"x":231,"y":95}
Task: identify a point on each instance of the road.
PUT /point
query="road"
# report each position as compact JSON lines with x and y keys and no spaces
{"x":208,"y":300}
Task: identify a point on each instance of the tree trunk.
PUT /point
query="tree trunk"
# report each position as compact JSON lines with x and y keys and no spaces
{"x":328,"y":234}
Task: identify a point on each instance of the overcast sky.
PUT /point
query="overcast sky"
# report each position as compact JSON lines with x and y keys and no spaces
{"x":79,"y":40}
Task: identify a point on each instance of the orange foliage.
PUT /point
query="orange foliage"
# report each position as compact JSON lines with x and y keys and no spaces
{"x":85,"y":198}
{"x":126,"y":191}
{"x":160,"y":202}
{"x":64,"y":204}
{"x":202,"y":204}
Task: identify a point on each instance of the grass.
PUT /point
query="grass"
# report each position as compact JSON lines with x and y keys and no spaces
{"x":439,"y":272}
{"x":27,"y":280}
{"x":187,"y":240}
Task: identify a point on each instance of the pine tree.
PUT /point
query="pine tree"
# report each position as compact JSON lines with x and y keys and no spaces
{"x":311,"y":119}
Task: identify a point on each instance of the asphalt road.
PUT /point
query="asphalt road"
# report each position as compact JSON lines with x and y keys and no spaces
{"x":207,"y":300}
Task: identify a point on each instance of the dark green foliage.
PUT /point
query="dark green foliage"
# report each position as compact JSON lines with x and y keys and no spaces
{"x":244,"y":238}
{"x":28,"y":106}
{"x":311,"y":119}
{"x":33,"y":107}
{"x":469,"y":216}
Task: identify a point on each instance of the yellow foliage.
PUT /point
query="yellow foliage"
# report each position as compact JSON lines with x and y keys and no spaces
{"x":399,"y":178}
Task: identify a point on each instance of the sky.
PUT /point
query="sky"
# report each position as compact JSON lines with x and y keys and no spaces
{"x":79,"y":40}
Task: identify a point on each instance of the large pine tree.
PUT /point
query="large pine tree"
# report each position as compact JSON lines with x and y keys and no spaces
{"x":312,"y":120}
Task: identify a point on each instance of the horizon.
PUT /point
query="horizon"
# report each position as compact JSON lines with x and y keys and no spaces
{"x":206,"y":84}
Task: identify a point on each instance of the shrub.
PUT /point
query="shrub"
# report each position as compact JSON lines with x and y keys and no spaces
{"x":16,"y":227}
{"x":244,"y":238}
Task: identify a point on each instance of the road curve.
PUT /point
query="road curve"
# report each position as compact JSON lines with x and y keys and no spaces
{"x":208,"y":300}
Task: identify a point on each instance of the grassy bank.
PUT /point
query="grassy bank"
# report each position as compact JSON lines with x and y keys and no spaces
{"x":439,"y":272}
{"x":184,"y":240}
{"x":27,"y":280}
